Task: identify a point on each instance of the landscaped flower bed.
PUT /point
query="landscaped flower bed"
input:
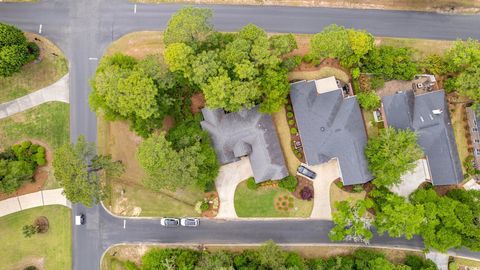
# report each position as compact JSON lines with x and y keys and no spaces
{"x":296,"y":142}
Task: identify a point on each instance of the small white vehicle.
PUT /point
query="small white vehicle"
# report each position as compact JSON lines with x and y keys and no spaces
{"x":189,"y":222}
{"x":80,"y":219}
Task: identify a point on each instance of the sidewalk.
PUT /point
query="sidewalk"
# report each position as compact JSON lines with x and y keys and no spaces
{"x":54,"y":92}
{"x":40,"y":198}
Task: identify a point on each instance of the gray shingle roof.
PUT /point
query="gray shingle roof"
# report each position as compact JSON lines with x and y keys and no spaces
{"x":434,"y":131}
{"x":246,"y":133}
{"x":331,"y":127}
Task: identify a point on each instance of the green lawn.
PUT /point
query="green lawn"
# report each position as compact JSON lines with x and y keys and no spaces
{"x":261,"y":203}
{"x":48,"y":123}
{"x":137,"y":198}
{"x":34,"y":76}
{"x":53,"y":247}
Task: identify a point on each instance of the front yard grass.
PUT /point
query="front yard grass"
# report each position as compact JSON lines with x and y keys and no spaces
{"x":53,"y":250}
{"x":323,"y":72}
{"x":48,"y":123}
{"x":372,"y":127}
{"x":467,"y":262}
{"x":128,"y":194}
{"x":261,"y":203}
{"x":337,"y":195}
{"x":34,"y":76}
{"x":138,"y":44}
{"x":421,"y":47}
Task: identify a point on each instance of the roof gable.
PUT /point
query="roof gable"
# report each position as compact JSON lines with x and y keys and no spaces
{"x":246,"y":133}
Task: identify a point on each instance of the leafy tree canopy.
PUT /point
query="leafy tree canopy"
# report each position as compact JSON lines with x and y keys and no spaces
{"x":77,"y":169}
{"x":352,"y":221}
{"x":391,"y":154}
{"x":390,"y":62}
{"x":368,"y":100}
{"x":15,"y":50}
{"x":189,"y":25}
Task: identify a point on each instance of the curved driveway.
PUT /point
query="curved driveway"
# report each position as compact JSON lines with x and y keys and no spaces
{"x":84,"y":28}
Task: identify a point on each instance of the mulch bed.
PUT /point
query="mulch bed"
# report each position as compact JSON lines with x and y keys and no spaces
{"x":42,"y":224}
{"x":302,"y":182}
{"x":40,"y":176}
{"x":211,"y":213}
{"x":198,"y":103}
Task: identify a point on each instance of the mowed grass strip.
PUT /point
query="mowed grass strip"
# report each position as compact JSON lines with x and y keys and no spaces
{"x":53,"y":247}
{"x":34,"y":76}
{"x":48,"y":123}
{"x":261,"y":203}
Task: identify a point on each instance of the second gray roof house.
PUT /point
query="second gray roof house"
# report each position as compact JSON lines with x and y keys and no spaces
{"x":246,"y":133}
{"x":331,"y":126}
{"x":427,"y":115}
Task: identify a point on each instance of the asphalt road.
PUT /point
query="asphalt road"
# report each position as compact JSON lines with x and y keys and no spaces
{"x":84,"y":28}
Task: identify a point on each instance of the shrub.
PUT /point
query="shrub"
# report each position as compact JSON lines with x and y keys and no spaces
{"x":129,"y":265}
{"x":368,"y":100}
{"x":453,"y":266}
{"x":299,"y":155}
{"x":289,"y":115}
{"x":292,"y":62}
{"x":308,"y":58}
{"x":376,"y":82}
{"x":42,"y":224}
{"x":357,"y":188}
{"x":355,"y":73}
{"x":251,"y":184}
{"x":204,"y":206}
{"x":306,"y":193}
{"x":29,"y":230}
{"x":33,"y":51}
{"x":450,"y":85}
{"x":291,"y":122}
{"x":293,"y":131}
{"x":289,"y":183}
{"x":339,"y":184}
{"x":198,"y":206}
{"x":14,"y":50}
{"x":31,"y":267}
{"x":289,"y":108}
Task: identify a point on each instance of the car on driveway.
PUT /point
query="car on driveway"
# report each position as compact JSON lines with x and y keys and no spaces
{"x":189,"y":222}
{"x":169,"y":222}
{"x":306,"y":172}
{"x":80,"y":219}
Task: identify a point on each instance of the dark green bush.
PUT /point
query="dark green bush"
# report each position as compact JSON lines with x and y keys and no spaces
{"x":292,"y":62}
{"x":289,"y":115}
{"x":357,"y":188}
{"x":293,"y":131}
{"x":204,"y":206}
{"x":129,"y":265}
{"x":31,"y":267}
{"x":251,"y":184}
{"x":289,"y":183}
{"x":291,"y":122}
{"x":33,"y":51}
{"x":289,"y":108}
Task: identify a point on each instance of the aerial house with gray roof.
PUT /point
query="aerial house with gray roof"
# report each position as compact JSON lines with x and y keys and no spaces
{"x":246,"y":133}
{"x":427,"y":115}
{"x":331,"y":126}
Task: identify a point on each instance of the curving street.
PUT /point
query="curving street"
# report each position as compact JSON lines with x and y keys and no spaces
{"x":83,"y":29}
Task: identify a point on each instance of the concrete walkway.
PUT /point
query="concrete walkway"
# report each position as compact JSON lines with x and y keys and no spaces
{"x":27,"y":201}
{"x":229,"y":177}
{"x":54,"y":92}
{"x":326,"y":174}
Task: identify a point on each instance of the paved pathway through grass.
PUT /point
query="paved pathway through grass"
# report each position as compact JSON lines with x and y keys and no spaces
{"x":55,"y":92}
{"x":27,"y":201}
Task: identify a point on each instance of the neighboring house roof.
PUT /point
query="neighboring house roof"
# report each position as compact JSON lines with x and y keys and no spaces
{"x":246,"y":133}
{"x":427,"y":115}
{"x":331,"y":126}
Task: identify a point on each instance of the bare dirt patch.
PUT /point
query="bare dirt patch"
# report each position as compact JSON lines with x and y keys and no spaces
{"x":198,"y":103}
{"x":31,"y":261}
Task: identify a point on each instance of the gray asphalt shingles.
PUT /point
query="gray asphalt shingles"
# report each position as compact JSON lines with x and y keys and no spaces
{"x":331,"y":126}
{"x":434,"y":131}
{"x":243,"y":133}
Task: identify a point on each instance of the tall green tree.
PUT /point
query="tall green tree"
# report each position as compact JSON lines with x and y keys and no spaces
{"x":78,"y":168}
{"x":391,"y":63}
{"x":166,"y":167}
{"x":391,"y":154}
{"x":189,"y":25}
{"x":15,"y":50}
{"x":395,"y":215}
{"x":352,"y":222}
{"x":136,"y":91}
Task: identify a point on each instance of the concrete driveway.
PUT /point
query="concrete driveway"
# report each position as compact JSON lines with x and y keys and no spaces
{"x":411,"y":180}
{"x":229,"y":177}
{"x":326,"y":174}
